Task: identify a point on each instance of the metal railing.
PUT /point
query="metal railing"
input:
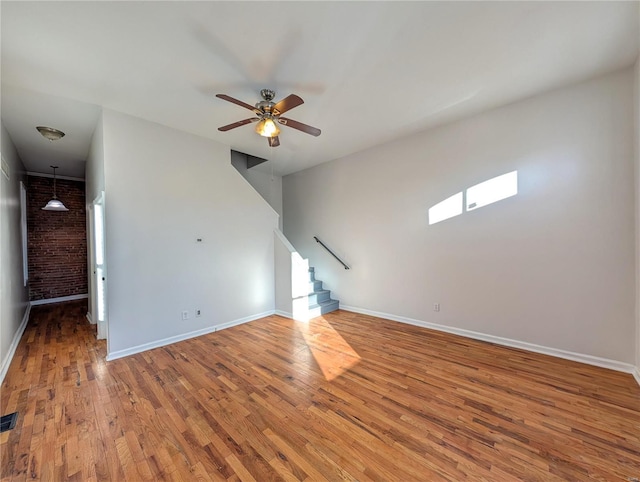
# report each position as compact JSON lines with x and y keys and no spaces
{"x":332,"y":253}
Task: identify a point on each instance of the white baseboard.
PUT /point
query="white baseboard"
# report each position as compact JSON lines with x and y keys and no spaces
{"x":184,"y":336}
{"x":636,"y":374}
{"x":14,"y":343}
{"x":568,"y":355}
{"x":283,"y":313}
{"x":89,"y":318}
{"x":59,"y":300}
{"x":246,"y":319}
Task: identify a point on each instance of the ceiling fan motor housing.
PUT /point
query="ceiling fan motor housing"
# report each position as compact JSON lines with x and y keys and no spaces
{"x":266,"y":106}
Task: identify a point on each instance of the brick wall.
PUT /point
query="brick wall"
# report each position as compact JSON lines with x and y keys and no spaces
{"x":57,"y":241}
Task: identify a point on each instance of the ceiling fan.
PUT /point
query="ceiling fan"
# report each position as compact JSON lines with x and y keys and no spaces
{"x":268,"y":116}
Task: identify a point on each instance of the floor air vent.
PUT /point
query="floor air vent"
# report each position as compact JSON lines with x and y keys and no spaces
{"x":7,"y":422}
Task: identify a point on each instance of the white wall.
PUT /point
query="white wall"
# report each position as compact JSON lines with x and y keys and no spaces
{"x":269,"y":186}
{"x":14,"y":296}
{"x":283,"y":254}
{"x":552,"y":266}
{"x":163,"y":190}
{"x":94,"y":185}
{"x":94,"y":168}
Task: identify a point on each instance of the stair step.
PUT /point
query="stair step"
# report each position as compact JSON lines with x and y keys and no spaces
{"x":318,"y":296}
{"x":319,"y":299}
{"x":315,"y":285}
{"x":323,"y":308}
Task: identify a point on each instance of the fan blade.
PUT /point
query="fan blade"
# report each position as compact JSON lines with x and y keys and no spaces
{"x":287,"y":103}
{"x":237,"y":102}
{"x":314,"y":131}
{"x":237,"y":124}
{"x":273,"y":141}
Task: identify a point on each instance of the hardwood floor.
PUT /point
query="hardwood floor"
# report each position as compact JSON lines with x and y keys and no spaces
{"x":343,"y":397}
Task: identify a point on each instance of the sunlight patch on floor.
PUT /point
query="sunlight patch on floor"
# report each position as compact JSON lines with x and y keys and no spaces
{"x":332,"y":353}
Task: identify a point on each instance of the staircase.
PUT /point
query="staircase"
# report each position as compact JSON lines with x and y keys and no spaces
{"x":320,"y":301}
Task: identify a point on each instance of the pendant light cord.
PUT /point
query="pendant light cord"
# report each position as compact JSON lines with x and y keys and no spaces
{"x":54,"y":182}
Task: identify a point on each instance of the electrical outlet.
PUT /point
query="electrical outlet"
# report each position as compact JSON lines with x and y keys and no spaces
{"x":436,"y":307}
{"x":185,"y":315}
{"x":198,"y":313}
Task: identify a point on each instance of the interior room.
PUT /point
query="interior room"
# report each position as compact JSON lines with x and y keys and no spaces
{"x":320,"y":240}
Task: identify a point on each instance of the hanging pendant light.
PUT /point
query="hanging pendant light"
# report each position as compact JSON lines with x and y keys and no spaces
{"x":55,"y":204}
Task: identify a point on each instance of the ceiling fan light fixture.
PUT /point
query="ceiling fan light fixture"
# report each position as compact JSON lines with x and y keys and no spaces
{"x":267,"y":127}
{"x":55,"y":204}
{"x":50,"y":133}
{"x":269,"y":116}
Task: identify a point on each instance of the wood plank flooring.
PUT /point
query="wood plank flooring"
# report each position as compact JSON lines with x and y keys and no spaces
{"x":344,"y":397}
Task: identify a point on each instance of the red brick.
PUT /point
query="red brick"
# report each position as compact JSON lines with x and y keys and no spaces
{"x":57,"y":241}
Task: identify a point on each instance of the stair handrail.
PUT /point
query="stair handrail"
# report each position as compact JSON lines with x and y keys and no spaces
{"x":332,"y":253}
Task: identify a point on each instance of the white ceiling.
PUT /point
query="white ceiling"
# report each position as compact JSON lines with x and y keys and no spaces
{"x":369,"y":72}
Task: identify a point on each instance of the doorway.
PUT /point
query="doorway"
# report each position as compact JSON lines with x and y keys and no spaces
{"x":98,"y":292}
